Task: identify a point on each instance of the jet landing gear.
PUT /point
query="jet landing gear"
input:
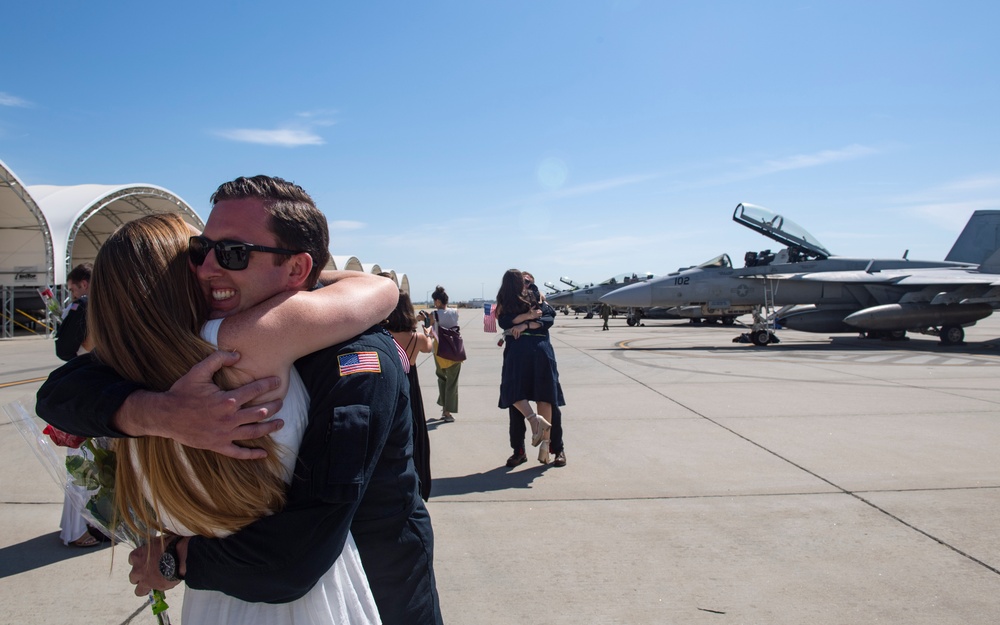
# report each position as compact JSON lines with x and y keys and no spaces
{"x":760,"y":338}
{"x":762,"y":331}
{"x":951,"y":335}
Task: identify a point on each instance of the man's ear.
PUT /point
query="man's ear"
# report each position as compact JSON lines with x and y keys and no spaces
{"x":299,"y":266}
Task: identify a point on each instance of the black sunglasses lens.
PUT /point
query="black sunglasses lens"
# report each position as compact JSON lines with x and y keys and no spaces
{"x":198,"y":250}
{"x":232,"y":256}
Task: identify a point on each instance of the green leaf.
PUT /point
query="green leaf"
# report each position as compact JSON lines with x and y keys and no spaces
{"x":82,"y":472}
{"x":159,"y":602}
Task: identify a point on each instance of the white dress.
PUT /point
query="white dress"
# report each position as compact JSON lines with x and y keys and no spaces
{"x":341,"y":595}
{"x":72,"y":526}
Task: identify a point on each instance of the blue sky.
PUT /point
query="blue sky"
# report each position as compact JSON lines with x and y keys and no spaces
{"x":453,"y":140}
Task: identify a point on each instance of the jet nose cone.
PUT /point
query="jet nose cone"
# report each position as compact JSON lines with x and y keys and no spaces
{"x":636,"y":295}
{"x":559,"y":299}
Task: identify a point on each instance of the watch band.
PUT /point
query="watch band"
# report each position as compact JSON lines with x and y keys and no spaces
{"x":170,"y":561}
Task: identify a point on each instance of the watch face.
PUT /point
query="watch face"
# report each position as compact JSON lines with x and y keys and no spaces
{"x":168,"y":567}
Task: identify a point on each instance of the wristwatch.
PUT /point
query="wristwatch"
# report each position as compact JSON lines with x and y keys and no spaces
{"x":170,"y":563}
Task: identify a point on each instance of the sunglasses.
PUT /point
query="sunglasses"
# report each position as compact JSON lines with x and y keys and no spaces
{"x":232,"y":255}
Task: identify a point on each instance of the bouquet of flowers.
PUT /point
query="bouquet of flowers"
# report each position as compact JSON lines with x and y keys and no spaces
{"x":89,"y":479}
{"x":52,"y":305}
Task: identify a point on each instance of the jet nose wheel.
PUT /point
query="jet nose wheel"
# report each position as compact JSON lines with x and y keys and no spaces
{"x":760,"y":337}
{"x":952,"y":335}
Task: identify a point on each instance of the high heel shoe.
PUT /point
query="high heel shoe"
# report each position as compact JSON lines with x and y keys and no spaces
{"x":539,"y":426}
{"x":543,"y":452}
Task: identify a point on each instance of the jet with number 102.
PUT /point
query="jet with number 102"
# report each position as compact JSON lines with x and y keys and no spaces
{"x":829,"y":294}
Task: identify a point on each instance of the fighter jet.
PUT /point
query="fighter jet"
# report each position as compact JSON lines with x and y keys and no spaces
{"x":583,"y":297}
{"x":828,"y":294}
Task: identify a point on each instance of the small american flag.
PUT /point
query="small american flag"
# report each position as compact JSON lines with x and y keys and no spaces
{"x":359,"y":362}
{"x":489,"y":318}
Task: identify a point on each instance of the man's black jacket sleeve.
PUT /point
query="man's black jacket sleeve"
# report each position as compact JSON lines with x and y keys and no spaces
{"x":82,"y":397}
{"x":72,"y":331}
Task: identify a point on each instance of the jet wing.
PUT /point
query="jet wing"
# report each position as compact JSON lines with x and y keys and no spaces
{"x":853,"y":277}
{"x":912,"y":277}
{"x":828,"y":276}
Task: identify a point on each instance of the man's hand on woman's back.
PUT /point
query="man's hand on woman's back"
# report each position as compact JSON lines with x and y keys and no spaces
{"x":197,"y":413}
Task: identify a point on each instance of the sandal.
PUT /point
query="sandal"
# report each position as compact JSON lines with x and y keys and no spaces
{"x":85,"y":541}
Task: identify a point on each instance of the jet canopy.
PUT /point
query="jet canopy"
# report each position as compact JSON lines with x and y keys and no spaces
{"x":628,"y":278}
{"x":719,"y":262}
{"x":800,"y":242}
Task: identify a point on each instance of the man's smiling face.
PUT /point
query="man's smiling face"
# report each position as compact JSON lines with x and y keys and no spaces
{"x":228,"y":291}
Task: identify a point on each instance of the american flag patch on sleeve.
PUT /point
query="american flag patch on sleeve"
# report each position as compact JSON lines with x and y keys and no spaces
{"x":359,"y":362}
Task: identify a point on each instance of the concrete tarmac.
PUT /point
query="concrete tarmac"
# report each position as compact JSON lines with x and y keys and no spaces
{"x":821,"y":480}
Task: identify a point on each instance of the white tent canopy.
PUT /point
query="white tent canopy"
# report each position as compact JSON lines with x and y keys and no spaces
{"x":345,"y":263}
{"x":81,"y":217}
{"x":25,"y":247}
{"x":46,"y":230}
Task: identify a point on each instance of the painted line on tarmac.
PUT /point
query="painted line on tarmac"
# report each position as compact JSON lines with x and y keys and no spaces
{"x":19,"y":382}
{"x":816,"y":353}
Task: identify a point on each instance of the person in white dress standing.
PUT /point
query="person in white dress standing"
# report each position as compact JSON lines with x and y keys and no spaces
{"x":149,"y":324}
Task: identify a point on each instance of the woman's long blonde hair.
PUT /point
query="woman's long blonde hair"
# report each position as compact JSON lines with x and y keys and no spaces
{"x":145,"y":314}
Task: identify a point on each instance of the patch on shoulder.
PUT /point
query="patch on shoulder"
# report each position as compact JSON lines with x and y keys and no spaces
{"x":359,"y":362}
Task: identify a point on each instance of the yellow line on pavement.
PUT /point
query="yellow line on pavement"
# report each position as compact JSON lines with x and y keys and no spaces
{"x":6,"y":384}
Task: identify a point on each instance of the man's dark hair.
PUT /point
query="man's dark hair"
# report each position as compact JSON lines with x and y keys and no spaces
{"x":294,"y":218}
{"x":80,"y":273}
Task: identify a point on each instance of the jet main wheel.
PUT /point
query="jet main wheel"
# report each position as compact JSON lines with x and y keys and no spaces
{"x":630,"y":321}
{"x":952,"y":335}
{"x":760,"y":337}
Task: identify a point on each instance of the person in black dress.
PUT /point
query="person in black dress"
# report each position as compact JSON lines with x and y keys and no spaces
{"x":402,"y":325}
{"x":529,"y":369}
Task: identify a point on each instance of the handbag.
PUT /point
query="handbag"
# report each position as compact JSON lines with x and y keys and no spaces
{"x":450,"y":344}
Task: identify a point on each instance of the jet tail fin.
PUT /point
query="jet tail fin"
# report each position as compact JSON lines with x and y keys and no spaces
{"x":991,"y":264}
{"x":979,"y":241}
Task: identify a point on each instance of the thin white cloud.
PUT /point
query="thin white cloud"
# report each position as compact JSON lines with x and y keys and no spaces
{"x":11,"y":100}
{"x":802,"y":161}
{"x":283,"y":137}
{"x":952,"y":215}
{"x":346,"y":225}
{"x":973,"y":183}
{"x":788,"y":163}
{"x":949,"y":205}
{"x":603,"y":185}
{"x":320,"y":117}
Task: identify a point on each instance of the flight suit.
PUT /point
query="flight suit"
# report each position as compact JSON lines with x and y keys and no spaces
{"x":354,"y":471}
{"x":72,"y":330}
